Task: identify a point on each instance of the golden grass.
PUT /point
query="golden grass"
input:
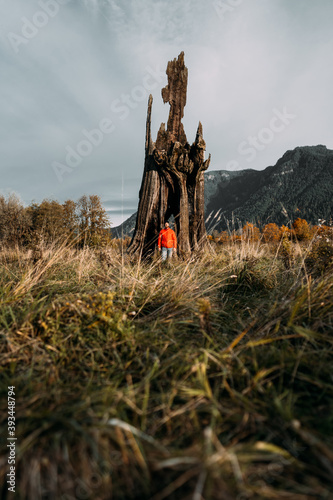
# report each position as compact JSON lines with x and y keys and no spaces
{"x":208,"y":378}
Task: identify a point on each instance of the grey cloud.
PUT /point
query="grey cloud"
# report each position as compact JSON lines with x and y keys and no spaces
{"x":119,"y":204}
{"x":260,"y":56}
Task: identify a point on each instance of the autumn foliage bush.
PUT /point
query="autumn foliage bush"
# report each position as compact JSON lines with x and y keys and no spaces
{"x":271,"y":232}
{"x":300,"y":231}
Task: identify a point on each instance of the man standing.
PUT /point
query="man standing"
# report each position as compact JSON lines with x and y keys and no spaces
{"x":167,"y":241}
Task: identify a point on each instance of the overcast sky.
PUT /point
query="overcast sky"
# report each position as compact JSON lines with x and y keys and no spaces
{"x":76,"y":75}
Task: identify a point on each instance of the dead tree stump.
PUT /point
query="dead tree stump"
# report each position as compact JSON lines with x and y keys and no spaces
{"x":173,"y":180}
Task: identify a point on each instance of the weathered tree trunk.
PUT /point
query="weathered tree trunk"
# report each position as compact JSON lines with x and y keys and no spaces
{"x":173,"y":180}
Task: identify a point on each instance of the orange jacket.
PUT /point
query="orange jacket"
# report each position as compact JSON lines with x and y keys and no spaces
{"x":167,"y":238}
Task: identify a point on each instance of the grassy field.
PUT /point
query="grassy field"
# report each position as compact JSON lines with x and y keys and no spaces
{"x":209,"y":378}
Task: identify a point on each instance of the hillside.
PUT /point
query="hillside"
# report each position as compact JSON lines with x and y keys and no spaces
{"x":299,"y":185}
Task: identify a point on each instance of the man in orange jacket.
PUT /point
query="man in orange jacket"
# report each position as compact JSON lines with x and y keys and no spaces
{"x":167,"y":241}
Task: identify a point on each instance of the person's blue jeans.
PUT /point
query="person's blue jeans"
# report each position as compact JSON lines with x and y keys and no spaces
{"x":167,"y":253}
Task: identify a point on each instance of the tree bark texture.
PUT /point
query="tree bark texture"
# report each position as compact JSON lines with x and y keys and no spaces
{"x":173,"y":180}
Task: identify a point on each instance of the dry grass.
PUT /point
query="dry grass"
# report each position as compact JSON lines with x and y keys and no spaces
{"x":210,"y":378}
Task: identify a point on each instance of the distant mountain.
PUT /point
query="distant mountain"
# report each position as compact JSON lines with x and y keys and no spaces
{"x":299,"y":185}
{"x":126,"y":228}
{"x":216,"y":179}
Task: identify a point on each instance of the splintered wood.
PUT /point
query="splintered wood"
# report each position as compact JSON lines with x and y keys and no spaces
{"x":173,"y":180}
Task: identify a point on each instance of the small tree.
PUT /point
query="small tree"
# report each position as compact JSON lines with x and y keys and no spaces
{"x":271,"y":233}
{"x":251,"y":232}
{"x":301,"y":229}
{"x":47,"y":220}
{"x":94,"y":223}
{"x":14,"y":220}
{"x":70,"y":219}
{"x":285,"y":231}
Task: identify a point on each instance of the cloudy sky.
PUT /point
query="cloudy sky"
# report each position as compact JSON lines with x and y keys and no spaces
{"x":76,"y":75}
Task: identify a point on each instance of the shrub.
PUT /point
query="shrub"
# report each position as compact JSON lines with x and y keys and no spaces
{"x":271,"y":233}
{"x":251,"y":232}
{"x":320,"y":258}
{"x":301,"y":229}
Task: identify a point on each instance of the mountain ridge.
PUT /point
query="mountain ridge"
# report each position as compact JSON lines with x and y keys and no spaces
{"x":300,"y":184}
